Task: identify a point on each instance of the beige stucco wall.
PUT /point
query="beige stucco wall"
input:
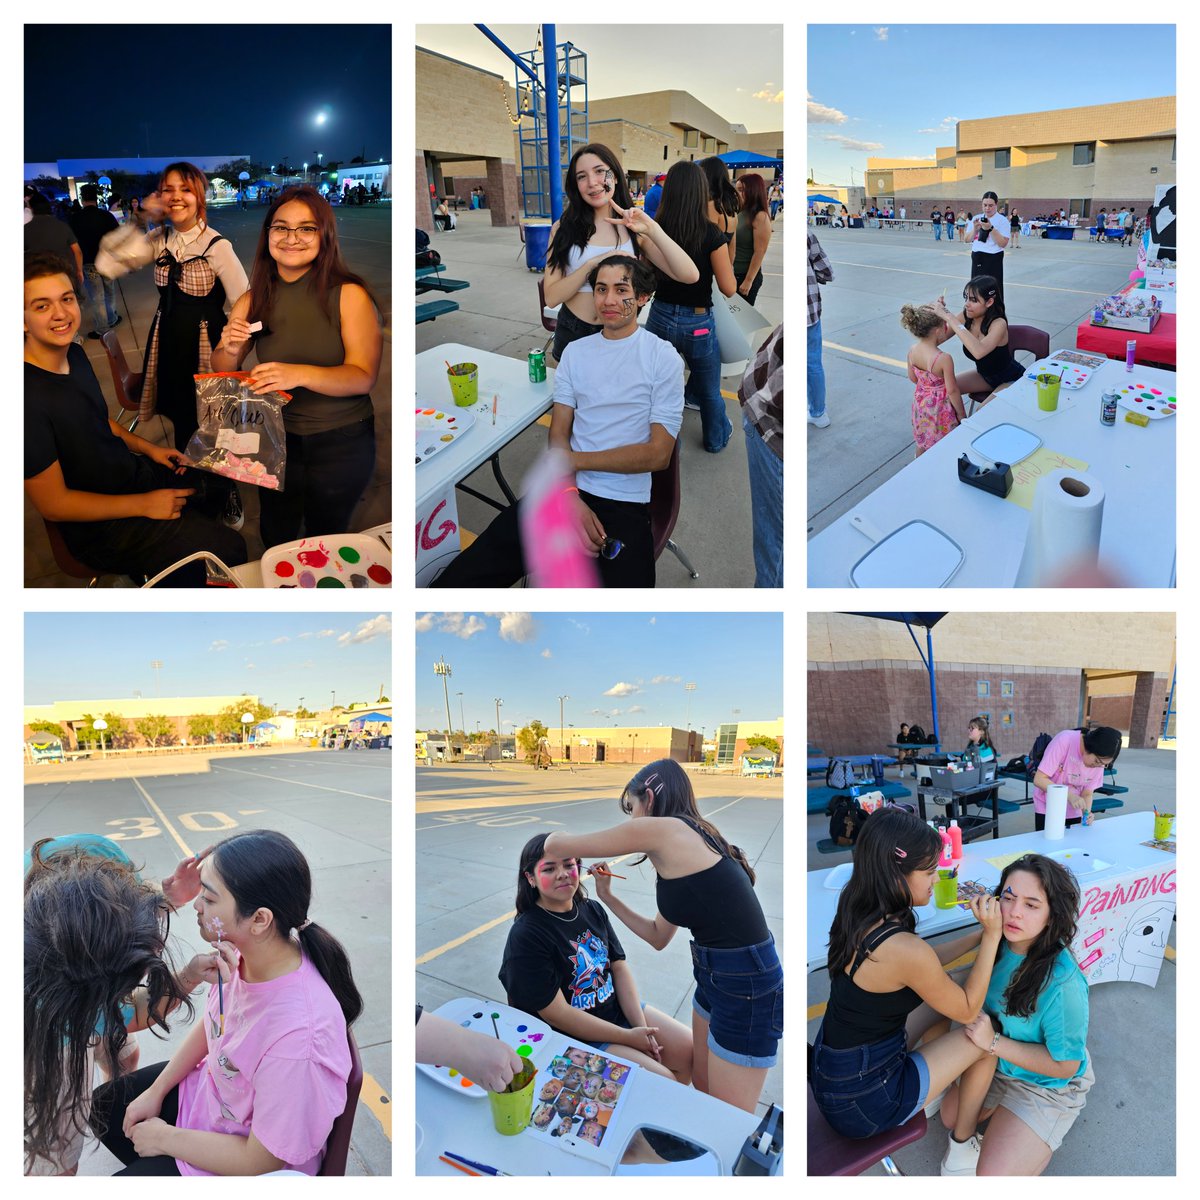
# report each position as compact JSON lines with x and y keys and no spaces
{"x":1095,"y":122}
{"x":1120,"y":641}
{"x":460,"y":109}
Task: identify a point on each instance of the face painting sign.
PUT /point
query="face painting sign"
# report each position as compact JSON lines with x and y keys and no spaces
{"x":1124,"y":924}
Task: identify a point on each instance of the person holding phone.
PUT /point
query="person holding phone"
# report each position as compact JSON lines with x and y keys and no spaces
{"x":990,"y":231}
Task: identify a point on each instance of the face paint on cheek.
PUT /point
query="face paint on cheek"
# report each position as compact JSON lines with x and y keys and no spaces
{"x":608,"y":181}
{"x":627,"y":307}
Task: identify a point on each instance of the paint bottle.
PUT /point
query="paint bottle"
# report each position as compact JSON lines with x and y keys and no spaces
{"x":1130,"y":351}
{"x":946,"y":858}
{"x":955,"y":841}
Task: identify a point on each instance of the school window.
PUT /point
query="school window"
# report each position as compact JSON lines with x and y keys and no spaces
{"x":1007,"y":687}
{"x":1172,"y":149}
{"x":690,"y":138}
{"x":1003,"y":159}
{"x":983,"y":689}
{"x":1007,"y":718}
{"x":664,"y":154}
{"x":722,"y":147}
{"x":1085,"y":154}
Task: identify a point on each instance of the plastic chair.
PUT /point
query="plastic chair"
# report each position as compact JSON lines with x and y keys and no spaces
{"x":548,"y":323}
{"x":664,"y":509}
{"x":66,"y":562}
{"x":1020,"y":338}
{"x":338,"y":1147}
{"x":831,"y":1154}
{"x":127,"y":382}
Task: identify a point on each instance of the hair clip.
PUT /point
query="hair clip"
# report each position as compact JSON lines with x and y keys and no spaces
{"x":649,"y":780}
{"x":901,"y":853}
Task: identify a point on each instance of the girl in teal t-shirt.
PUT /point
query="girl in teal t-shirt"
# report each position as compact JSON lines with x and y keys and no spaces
{"x":979,"y":740}
{"x":1036,"y":1034}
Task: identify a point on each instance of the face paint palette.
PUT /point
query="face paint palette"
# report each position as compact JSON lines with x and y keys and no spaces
{"x":346,"y":560}
{"x":526,"y":1035}
{"x":1155,"y":403}
{"x":437,"y":429}
{"x":1073,"y":377}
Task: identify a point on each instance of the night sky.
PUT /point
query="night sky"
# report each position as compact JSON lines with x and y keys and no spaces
{"x":156,"y":90}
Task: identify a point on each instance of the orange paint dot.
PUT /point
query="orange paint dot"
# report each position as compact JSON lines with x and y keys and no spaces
{"x":466,"y":1082}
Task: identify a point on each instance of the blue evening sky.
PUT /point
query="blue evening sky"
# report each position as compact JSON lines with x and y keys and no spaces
{"x":895,"y":91}
{"x":277,"y":656}
{"x":617,"y":668}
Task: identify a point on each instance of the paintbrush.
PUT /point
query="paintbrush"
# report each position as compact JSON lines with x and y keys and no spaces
{"x":602,"y":869}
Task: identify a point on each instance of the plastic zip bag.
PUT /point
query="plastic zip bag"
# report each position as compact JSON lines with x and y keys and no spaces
{"x":239,"y":435}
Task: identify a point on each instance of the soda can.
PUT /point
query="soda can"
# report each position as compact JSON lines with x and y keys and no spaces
{"x":1108,"y":408}
{"x":537,"y":366}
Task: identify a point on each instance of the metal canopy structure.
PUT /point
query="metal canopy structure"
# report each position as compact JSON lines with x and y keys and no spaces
{"x":924,"y":621}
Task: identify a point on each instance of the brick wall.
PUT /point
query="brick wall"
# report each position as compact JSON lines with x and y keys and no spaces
{"x":1149,"y":700}
{"x":423,"y":208}
{"x":1116,"y":711}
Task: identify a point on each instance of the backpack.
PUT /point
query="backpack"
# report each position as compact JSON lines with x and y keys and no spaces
{"x":1016,"y":765}
{"x":845,"y":820}
{"x":1035,"y":755}
{"x":916,"y":734}
{"x":840,"y":773}
{"x":426,"y":255}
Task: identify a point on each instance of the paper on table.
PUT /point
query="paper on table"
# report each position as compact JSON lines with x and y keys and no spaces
{"x":1027,"y":473}
{"x":1002,"y":860}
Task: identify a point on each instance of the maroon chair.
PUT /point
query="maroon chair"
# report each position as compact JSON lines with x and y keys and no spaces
{"x":1020,"y":337}
{"x":338,"y":1147}
{"x":664,"y":509}
{"x":831,"y":1154}
{"x":127,"y":382}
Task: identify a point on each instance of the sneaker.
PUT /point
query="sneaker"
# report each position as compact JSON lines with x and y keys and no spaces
{"x":116,"y":322}
{"x":233,"y":516}
{"x":821,"y":422}
{"x":692,"y":405}
{"x":961,"y":1158}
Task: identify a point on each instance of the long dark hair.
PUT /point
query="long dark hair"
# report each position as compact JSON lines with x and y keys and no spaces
{"x":683,"y":211}
{"x":981,"y":723}
{"x":720,"y":190}
{"x":1103,"y":741}
{"x":1062,"y":896}
{"x":754,"y":195}
{"x":527,"y":893}
{"x":672,"y":796}
{"x":578,"y":220}
{"x":984,"y":288}
{"x":93,"y":933}
{"x":328,"y":269}
{"x":891,"y":844}
{"x":265,"y":869}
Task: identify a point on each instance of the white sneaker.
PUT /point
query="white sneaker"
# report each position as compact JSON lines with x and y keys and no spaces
{"x":961,"y":1158}
{"x":821,"y":422}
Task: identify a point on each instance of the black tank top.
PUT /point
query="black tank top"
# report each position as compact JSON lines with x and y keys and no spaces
{"x":855,"y":1017}
{"x":997,"y":366}
{"x":717,"y":905}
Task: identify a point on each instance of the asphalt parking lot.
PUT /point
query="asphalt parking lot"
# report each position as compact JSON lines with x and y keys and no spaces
{"x":335,"y":805}
{"x":471,"y":822}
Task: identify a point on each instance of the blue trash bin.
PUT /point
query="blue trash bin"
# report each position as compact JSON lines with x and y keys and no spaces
{"x":537,"y":243}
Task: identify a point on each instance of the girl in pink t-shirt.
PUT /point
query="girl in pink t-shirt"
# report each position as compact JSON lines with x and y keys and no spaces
{"x":257,"y":1088}
{"x":1077,"y":759}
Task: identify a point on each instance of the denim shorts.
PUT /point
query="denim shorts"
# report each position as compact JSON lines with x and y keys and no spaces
{"x":740,"y":994}
{"x":867,"y":1089}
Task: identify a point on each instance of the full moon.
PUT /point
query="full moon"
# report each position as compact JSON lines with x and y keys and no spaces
{"x":320,"y":118}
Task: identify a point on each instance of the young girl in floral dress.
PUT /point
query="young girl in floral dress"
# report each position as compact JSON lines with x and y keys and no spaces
{"x":937,"y":404}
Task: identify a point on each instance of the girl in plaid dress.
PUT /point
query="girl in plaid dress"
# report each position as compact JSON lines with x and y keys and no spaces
{"x":937,"y":405}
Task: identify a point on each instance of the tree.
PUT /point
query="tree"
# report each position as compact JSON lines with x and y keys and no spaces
{"x":304,"y":714}
{"x":767,"y":743}
{"x":155,"y":729}
{"x":202,"y":726}
{"x":382,"y":699}
{"x":46,"y":727}
{"x":529,"y":737}
{"x":229,"y":720}
{"x":116,"y":736}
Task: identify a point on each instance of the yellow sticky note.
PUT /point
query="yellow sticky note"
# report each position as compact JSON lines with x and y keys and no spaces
{"x":1002,"y":860}
{"x":1028,"y":471}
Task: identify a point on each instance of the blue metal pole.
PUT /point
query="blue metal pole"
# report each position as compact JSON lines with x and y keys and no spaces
{"x":553,"y":149}
{"x":937,"y":737}
{"x":1170,"y":702}
{"x":521,"y":63}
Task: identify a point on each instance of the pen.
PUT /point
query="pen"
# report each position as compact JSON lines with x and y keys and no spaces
{"x":457,"y":1166}
{"x":483,"y":1168}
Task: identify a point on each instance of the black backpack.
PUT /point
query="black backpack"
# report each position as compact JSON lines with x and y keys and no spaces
{"x":840,"y":773}
{"x":426,"y":255}
{"x":916,"y":735}
{"x":1035,"y":755}
{"x":1016,"y":765}
{"x":845,"y":820}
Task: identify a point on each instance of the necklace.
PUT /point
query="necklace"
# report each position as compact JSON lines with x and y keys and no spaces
{"x":574,"y":912}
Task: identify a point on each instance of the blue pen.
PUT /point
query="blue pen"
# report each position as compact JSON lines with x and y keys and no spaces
{"x":477,"y":1166}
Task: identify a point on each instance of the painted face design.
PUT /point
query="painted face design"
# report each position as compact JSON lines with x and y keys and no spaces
{"x":609,"y":179}
{"x":578,"y":1057}
{"x":551,"y":1089}
{"x":574,"y":1079}
{"x":591,"y":1086}
{"x":608,"y":1093}
{"x":595,"y":1063}
{"x":543,"y":1115}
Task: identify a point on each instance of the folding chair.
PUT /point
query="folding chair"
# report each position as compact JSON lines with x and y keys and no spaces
{"x":338,"y":1147}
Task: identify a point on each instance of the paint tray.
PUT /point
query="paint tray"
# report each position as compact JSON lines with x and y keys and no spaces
{"x":437,"y":429}
{"x":915,"y":555}
{"x":1155,"y":403}
{"x":343,"y":560}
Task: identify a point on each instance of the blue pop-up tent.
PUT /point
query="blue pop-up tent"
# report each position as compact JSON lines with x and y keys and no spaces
{"x":823,"y":200}
{"x":747,"y":160}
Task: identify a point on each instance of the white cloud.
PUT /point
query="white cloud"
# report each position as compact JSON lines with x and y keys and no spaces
{"x":881,"y":33}
{"x":219,"y":645}
{"x":848,"y":143}
{"x":368,"y":631}
{"x":667,"y":679}
{"x":546,"y":653}
{"x":425,"y":623}
{"x":596,"y":712}
{"x":326,"y":632}
{"x":769,"y":97}
{"x":279,"y":641}
{"x":653,"y":620}
{"x":637,"y":708}
{"x":249,"y":665}
{"x":822,"y":114}
{"x":301,"y":636}
{"x":579,"y":625}
{"x":947,"y":126}
{"x":517,"y":626}
{"x":460,"y":625}
{"x":623,"y":689}
{"x":614,"y":712}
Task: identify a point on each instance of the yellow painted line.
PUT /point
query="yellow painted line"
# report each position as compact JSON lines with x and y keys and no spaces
{"x":728,"y":395}
{"x":1008,"y":283}
{"x":1169,"y":953}
{"x":815,"y":1011}
{"x":430,"y":955}
{"x":301,"y":783}
{"x":378,"y":1101}
{"x":162,"y":816}
{"x":891,"y":362}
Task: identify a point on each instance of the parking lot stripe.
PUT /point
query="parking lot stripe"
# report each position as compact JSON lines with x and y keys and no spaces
{"x":302,"y":783}
{"x":891,"y":362}
{"x":378,"y":1101}
{"x":430,"y":955}
{"x":1008,"y":283}
{"x":162,"y":816}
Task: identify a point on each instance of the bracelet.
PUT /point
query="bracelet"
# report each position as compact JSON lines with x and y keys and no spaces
{"x":995,"y":1043}
{"x":571,"y":489}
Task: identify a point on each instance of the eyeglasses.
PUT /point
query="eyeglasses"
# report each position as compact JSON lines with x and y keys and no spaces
{"x":303,"y":233}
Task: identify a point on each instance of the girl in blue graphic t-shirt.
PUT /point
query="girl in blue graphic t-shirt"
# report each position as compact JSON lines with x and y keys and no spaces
{"x":1036,"y":1037}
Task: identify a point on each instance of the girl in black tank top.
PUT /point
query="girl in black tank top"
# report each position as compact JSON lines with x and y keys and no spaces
{"x":737,"y":1017}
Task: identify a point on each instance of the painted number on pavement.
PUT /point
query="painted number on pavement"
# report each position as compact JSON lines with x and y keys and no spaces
{"x":136,"y":828}
{"x":215,"y":822}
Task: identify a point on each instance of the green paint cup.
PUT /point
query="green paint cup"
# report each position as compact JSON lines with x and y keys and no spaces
{"x":464,"y":384}
{"x":945,"y":892}
{"x":1162,"y":826}
{"x":1047,"y":391}
{"x":512,"y":1109}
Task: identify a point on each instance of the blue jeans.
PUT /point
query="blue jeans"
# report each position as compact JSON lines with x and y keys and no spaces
{"x":694,"y":335}
{"x":766,"y":508}
{"x":96,"y":286}
{"x":937,"y":232}
{"x":816,"y":372}
{"x":774,"y":208}
{"x":866,"y":1089}
{"x":739,"y":993}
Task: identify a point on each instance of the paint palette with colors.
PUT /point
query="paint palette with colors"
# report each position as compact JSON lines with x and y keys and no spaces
{"x":437,"y":429}
{"x":346,"y":560}
{"x":1155,"y":403}
{"x":1073,"y":377}
{"x":525,"y":1035}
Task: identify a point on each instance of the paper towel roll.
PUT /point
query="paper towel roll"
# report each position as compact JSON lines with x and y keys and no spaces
{"x":1064,"y":527}
{"x":1056,"y":811}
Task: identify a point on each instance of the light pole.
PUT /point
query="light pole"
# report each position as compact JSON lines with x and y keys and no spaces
{"x":633,"y":746}
{"x":461,"y":718}
{"x":442,"y":668}
{"x":247,"y":717}
{"x":498,"y":703}
{"x":562,"y":752}
{"x":689,"y":688}
{"x":101,"y":724}
{"x":156,"y":666}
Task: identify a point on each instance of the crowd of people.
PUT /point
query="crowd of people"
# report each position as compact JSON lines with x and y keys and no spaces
{"x":132,"y":506}
{"x":620,"y":390}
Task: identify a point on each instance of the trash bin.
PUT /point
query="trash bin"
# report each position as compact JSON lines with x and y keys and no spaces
{"x":537,"y":243}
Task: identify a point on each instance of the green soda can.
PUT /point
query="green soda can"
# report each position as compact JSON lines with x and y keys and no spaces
{"x":537,"y":366}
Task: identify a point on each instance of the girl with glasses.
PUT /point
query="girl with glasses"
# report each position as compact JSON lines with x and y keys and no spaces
{"x":1077,"y":759}
{"x":315,"y":330}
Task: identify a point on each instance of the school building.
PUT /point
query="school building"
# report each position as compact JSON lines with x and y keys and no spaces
{"x":1084,"y":159}
{"x":1028,"y":673}
{"x":467,"y":135}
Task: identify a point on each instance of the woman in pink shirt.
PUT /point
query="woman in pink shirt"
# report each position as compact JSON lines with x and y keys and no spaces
{"x":1077,"y":759}
{"x":260,"y":1079}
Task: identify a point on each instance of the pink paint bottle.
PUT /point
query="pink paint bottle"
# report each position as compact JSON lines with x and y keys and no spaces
{"x":955,"y":841}
{"x":946,"y":858}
